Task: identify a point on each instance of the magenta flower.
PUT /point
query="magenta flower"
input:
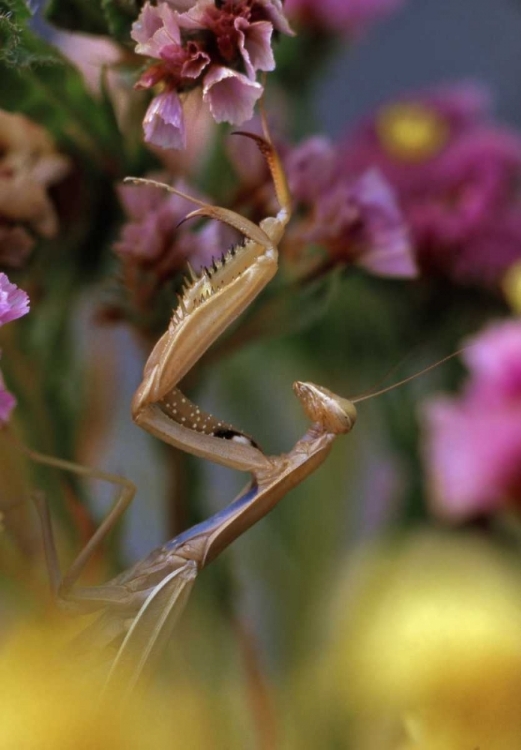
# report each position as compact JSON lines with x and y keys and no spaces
{"x":456,"y":176}
{"x":473,"y":442}
{"x":215,"y":47}
{"x":356,"y":221}
{"x":7,"y":403}
{"x":351,"y":17}
{"x":151,"y":238}
{"x":14,"y":302}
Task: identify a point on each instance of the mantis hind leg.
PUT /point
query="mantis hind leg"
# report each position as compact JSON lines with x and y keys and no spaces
{"x":62,"y":586}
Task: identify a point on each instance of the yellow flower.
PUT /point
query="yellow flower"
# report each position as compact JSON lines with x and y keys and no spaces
{"x":51,"y":701}
{"x":426,"y":653}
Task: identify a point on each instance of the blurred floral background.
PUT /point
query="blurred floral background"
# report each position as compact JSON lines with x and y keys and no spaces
{"x":379,"y":605}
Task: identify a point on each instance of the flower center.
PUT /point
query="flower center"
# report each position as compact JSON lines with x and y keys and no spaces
{"x":512,"y":286}
{"x":410,"y":131}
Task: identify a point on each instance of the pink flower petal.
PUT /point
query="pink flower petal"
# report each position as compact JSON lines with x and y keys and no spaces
{"x":388,"y":244}
{"x":472,"y":444}
{"x":155,"y":28}
{"x":494,"y":359}
{"x":193,"y":19}
{"x":7,"y":403}
{"x":148,"y":22}
{"x":14,"y":302}
{"x":311,"y":168}
{"x":164,"y":122}
{"x":197,"y":61}
{"x":231,"y":96}
{"x":275,"y":12}
{"x":473,"y":456}
{"x":255,"y":45}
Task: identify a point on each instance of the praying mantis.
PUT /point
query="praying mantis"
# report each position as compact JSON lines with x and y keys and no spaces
{"x":139,"y":607}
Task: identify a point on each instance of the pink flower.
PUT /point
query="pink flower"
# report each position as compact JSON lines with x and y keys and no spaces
{"x":217,"y":48}
{"x":7,"y":403}
{"x":14,"y":302}
{"x":473,"y":442}
{"x":455,"y":174}
{"x":356,"y":221}
{"x":152,"y":239}
{"x":164,"y":124}
{"x":350,"y":17}
{"x":495,"y":362}
{"x":385,"y":242}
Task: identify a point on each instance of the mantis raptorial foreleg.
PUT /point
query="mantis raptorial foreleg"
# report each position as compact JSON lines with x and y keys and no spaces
{"x":209,"y":304}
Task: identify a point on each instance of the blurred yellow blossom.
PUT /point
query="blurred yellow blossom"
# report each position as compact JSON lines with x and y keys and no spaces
{"x":426,"y":647}
{"x":51,"y":701}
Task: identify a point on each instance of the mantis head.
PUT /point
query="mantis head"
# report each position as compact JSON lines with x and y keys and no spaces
{"x":331,"y":412}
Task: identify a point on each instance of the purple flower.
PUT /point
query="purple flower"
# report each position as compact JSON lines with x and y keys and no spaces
{"x":216,"y":48}
{"x":164,"y":123}
{"x":356,"y":221}
{"x":14,"y":302}
{"x":473,"y":442}
{"x":152,"y":239}
{"x":7,"y":403}
{"x":456,"y":176}
{"x":350,"y":17}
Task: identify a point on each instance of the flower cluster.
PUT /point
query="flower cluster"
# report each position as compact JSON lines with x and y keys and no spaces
{"x":14,"y":303}
{"x":473,"y":443}
{"x":152,"y":240}
{"x":351,"y":17}
{"x":213,"y":47}
{"x":355,"y":220}
{"x":456,"y":175}
{"x":29,"y":164}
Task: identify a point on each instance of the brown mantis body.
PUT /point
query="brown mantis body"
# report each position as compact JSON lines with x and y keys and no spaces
{"x":140,"y":606}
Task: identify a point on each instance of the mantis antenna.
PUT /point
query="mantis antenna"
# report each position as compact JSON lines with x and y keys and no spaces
{"x":408,"y":379}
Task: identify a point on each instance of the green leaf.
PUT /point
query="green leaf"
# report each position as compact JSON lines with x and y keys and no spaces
{"x":17,"y":45}
{"x":106,"y":17}
{"x":119,"y":17}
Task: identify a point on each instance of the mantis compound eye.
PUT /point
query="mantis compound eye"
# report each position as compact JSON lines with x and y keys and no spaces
{"x":333,"y":413}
